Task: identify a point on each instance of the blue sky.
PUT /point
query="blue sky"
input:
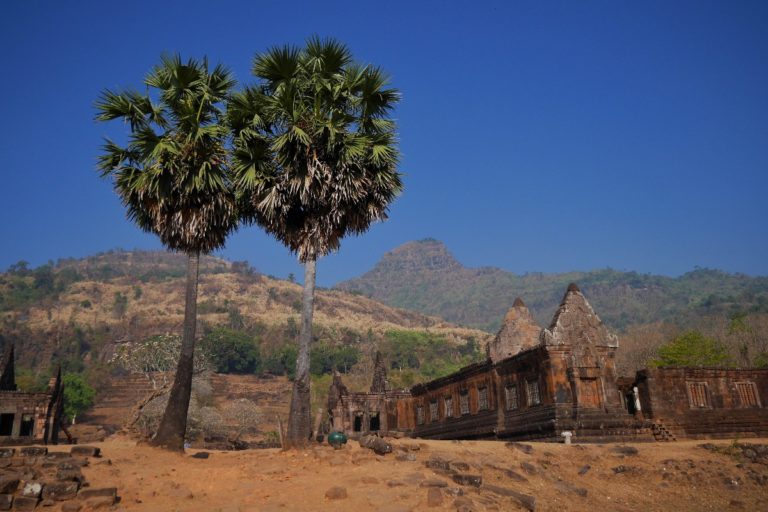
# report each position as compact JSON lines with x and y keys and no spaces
{"x":536,"y":136}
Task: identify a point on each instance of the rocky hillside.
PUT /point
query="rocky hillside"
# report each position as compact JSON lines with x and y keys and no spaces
{"x":424,"y":276}
{"x":83,"y":308}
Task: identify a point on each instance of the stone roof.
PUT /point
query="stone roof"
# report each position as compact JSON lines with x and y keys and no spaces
{"x":575,"y":322}
{"x":518,"y":332}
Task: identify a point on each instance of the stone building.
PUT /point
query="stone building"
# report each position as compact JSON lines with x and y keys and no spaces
{"x":381,"y":411}
{"x":28,"y":418}
{"x":541,"y":383}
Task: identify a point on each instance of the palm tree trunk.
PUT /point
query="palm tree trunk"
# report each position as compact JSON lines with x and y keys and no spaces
{"x":299,"y":417}
{"x":173,"y":426}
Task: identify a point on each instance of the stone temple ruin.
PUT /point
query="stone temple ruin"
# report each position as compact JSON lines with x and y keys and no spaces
{"x":28,"y":418}
{"x":543,"y":383}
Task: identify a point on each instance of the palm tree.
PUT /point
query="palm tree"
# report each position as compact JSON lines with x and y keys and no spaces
{"x":174,"y":180}
{"x":315,"y":157}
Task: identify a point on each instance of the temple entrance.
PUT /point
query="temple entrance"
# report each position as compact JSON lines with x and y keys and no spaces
{"x":358,"y":424}
{"x":375,"y":424}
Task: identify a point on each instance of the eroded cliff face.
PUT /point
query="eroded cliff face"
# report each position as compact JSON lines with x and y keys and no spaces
{"x":519,"y":332}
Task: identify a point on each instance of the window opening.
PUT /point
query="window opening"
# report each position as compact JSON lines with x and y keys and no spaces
{"x":511,"y":397}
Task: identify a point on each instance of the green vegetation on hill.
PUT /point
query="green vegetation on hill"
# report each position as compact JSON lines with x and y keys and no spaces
{"x":423,"y":276}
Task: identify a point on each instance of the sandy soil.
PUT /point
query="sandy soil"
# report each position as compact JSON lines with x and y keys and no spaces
{"x":678,"y":476}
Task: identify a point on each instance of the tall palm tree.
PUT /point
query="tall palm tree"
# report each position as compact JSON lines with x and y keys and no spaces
{"x":174,"y":180}
{"x":315,"y":159}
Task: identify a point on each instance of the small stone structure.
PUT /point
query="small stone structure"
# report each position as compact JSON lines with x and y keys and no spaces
{"x":28,"y":418}
{"x":381,"y":411}
{"x":541,"y":383}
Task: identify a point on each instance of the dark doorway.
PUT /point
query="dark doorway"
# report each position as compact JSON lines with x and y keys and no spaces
{"x":358,"y":426}
{"x":6,"y":424}
{"x":27,"y":425}
{"x":375,"y":424}
{"x":629,"y":398}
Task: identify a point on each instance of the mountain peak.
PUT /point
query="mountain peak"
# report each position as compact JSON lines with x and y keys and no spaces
{"x":418,"y":256}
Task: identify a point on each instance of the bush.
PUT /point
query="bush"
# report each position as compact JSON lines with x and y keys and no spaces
{"x":232,"y":351}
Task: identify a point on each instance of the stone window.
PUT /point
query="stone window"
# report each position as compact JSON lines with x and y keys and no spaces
{"x":511,"y":397}
{"x":419,"y":414}
{"x":27,"y":425}
{"x":448,"y":402}
{"x":747,"y":394}
{"x":482,"y":398}
{"x":464,"y":402}
{"x":6,"y":424}
{"x":698,"y":396}
{"x":532,"y":390}
{"x":433,"y":416}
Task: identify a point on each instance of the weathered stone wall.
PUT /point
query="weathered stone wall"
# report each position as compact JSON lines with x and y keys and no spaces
{"x":706,"y":402}
{"x":518,"y":332}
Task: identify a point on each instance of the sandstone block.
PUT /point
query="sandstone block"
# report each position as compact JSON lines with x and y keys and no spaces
{"x":526,"y":501}
{"x":434,"y":497}
{"x":8,"y":485}
{"x":464,"y":479}
{"x":433,"y":482}
{"x":85,"y":451}
{"x":7,"y":452}
{"x":33,"y":451}
{"x":71,"y":506}
{"x":60,"y":491}
{"x":24,"y":503}
{"x":336,"y":493}
{"x":109,"y":492}
{"x":6,"y":500}
{"x":99,"y":503}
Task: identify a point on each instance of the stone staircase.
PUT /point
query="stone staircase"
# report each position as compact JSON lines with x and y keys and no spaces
{"x":597,"y":425}
{"x":661,"y":432}
{"x":115,"y":399}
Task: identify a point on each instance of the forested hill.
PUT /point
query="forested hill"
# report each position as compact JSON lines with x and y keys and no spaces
{"x":423,"y":276}
{"x":75,"y":312}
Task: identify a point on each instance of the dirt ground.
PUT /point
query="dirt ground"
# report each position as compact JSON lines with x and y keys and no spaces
{"x":678,"y":476}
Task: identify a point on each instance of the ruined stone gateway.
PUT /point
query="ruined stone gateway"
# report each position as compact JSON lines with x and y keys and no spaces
{"x":539,"y":383}
{"x":28,"y":418}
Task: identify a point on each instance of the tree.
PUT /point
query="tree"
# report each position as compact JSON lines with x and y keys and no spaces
{"x":315,"y":156}
{"x":692,"y":349}
{"x":233,"y":351}
{"x":174,"y":180}
{"x":78,"y":395}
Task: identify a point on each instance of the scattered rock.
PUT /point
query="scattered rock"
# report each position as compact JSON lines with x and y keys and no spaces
{"x":47,"y":503}
{"x":201,"y":455}
{"x":395,"y":483}
{"x":624,"y":450}
{"x":514,"y":475}
{"x":405,"y":457}
{"x":454,"y":491}
{"x":32,"y":489}
{"x":377,"y":444}
{"x":60,"y":491}
{"x":24,"y":503}
{"x":463,"y":504}
{"x":434,"y":497}
{"x":567,"y":488}
{"x":529,"y":468}
{"x":459,"y":466}
{"x":464,"y":479}
{"x":70,"y":475}
{"x":71,"y":506}
{"x":433,"y":482}
{"x":33,"y":451}
{"x":525,"y":448}
{"x":85,"y":451}
{"x":584,"y":469}
{"x":108,"y":492}
{"x":336,"y":493}
{"x":526,"y":501}
{"x":8,"y":485}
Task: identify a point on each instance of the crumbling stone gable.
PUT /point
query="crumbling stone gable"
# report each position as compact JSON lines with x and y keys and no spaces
{"x":519,"y":332}
{"x":576,"y":323}
{"x":379,"y":383}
